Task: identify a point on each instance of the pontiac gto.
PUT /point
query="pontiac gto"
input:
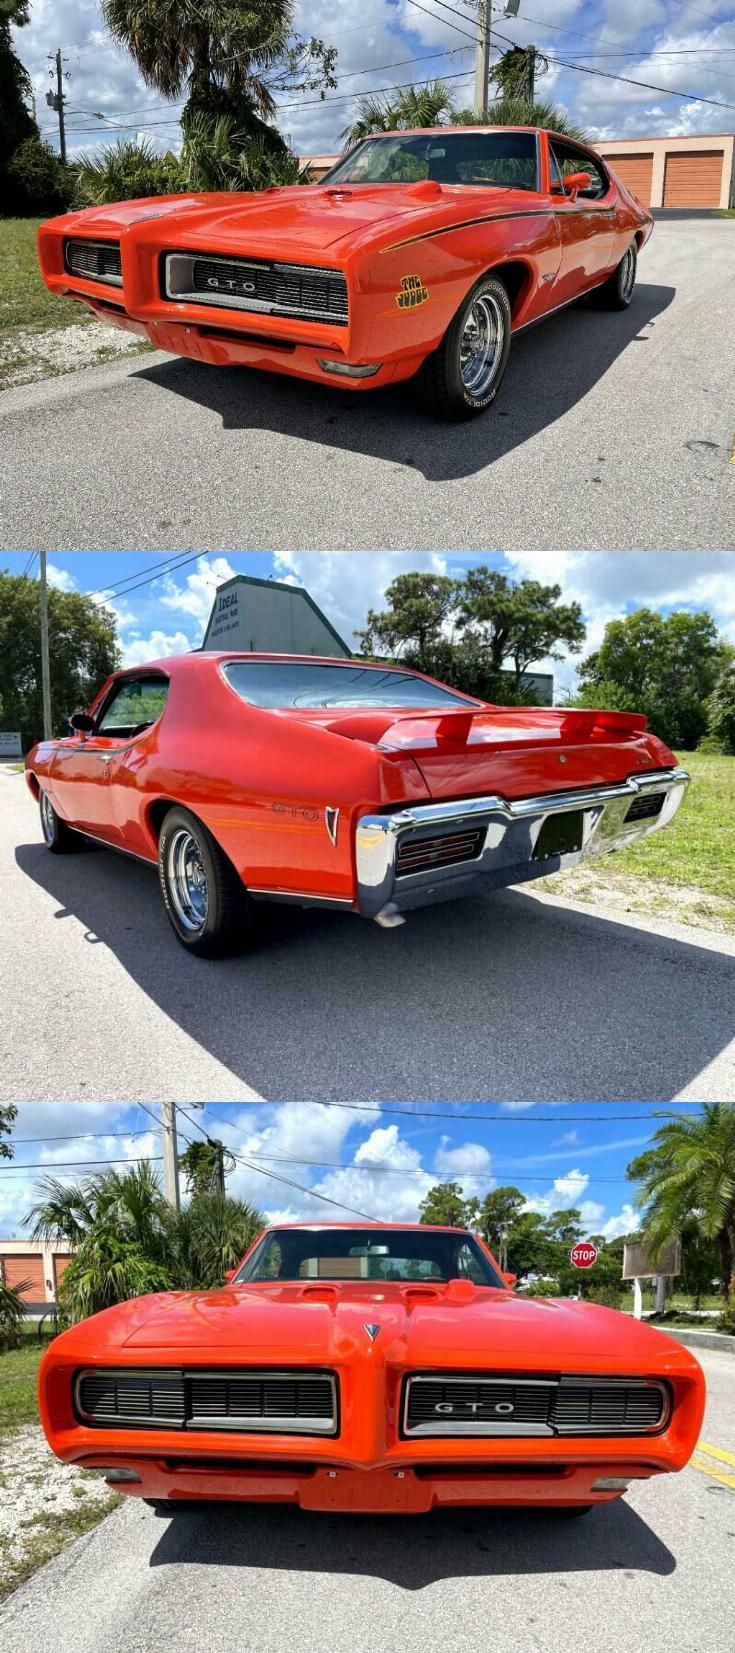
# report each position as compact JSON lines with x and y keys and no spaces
{"x":386,"y":1368}
{"x":342,"y":784}
{"x":420,"y":252}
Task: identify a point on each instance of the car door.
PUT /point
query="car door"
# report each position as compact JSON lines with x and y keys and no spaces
{"x":86,"y":768}
{"x":585,"y":221}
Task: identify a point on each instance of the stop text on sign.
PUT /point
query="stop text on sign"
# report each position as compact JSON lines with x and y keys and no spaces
{"x":583,"y":1255}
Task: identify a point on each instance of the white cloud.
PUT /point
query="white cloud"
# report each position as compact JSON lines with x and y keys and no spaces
{"x":346,"y":584}
{"x":196,"y":596}
{"x":468,"y":1158}
{"x":567,"y":1139}
{"x":626,"y":1222}
{"x":137,"y":650}
{"x":60,"y":578}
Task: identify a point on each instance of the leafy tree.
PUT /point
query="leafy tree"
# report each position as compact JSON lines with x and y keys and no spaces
{"x":82,"y":646}
{"x":223,"y":57}
{"x":16,"y":122}
{"x":418,"y":607}
{"x":446,"y":1206}
{"x":498,"y":1212}
{"x":8,"y":1116}
{"x":126,"y":171}
{"x":516,"y":71}
{"x":517,"y":623}
{"x":211,"y":1235}
{"x":687,"y":1179}
{"x":528,"y":1249}
{"x":203,"y":1167}
{"x":667,"y":667}
{"x":45,"y":184}
{"x":721,"y":711}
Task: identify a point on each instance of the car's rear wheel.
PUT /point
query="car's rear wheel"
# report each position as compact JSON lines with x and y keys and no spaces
{"x":462,"y":376}
{"x":58,"y":837}
{"x":617,"y":291}
{"x":210,"y":911}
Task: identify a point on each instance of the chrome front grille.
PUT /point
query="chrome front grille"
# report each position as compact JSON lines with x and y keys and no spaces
{"x":95,"y":261}
{"x":446,"y":849}
{"x":279,"y":1402}
{"x":298,"y":290}
{"x":438,"y":1405}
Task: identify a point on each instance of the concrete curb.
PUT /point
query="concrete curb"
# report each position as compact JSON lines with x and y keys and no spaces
{"x":695,"y":1339}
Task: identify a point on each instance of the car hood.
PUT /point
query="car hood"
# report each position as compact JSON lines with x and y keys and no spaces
{"x":289,"y":221}
{"x":446,"y":1325}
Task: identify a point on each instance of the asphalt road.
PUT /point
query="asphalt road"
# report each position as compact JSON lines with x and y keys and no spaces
{"x":612,"y":431}
{"x":508,"y":998}
{"x":650,"y":1573}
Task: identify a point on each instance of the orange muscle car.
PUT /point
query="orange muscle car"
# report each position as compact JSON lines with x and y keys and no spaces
{"x":337,"y":783}
{"x":420,"y":251}
{"x":385,"y":1368}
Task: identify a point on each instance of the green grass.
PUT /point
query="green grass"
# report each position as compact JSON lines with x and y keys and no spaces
{"x":47,"y":1536}
{"x":686,"y":871}
{"x":18,"y":1372}
{"x":24,"y":299}
{"x":725,"y":212}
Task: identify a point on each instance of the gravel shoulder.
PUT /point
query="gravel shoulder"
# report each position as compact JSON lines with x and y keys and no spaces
{"x":44,"y":1505}
{"x":28,"y":354}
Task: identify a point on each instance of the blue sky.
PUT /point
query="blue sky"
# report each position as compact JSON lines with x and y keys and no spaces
{"x":377,"y":1163}
{"x":169,"y":615}
{"x":672,"y":44}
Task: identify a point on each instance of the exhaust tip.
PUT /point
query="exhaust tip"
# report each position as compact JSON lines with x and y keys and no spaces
{"x":389,"y":917}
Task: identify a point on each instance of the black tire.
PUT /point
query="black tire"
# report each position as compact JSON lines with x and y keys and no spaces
{"x":57,"y":836}
{"x":570,"y":1512}
{"x":619,"y":288}
{"x":173,"y":1506}
{"x":221,"y":918}
{"x":439,"y":381}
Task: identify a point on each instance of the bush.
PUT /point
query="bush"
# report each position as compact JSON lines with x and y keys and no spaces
{"x":726,"y":1322}
{"x":38,"y":180}
{"x":12,"y":1314}
{"x":126,"y":171}
{"x":608,"y":1296}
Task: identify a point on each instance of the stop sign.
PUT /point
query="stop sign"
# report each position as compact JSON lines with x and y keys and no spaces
{"x":583,"y":1255}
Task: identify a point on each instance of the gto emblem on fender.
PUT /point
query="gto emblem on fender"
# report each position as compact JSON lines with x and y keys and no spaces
{"x":331,"y":820}
{"x":412,"y":292}
{"x":504,"y":1408}
{"x":231,"y":286}
{"x":372,"y":1331}
{"x":295,"y":811}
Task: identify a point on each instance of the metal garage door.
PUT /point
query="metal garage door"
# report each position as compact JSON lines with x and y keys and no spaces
{"x":61,"y":1265}
{"x":693,"y":180}
{"x":28,"y":1267}
{"x":636,"y":172}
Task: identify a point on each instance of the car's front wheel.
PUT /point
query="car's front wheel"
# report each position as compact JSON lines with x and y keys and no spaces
{"x":617,"y":291}
{"x":58,"y":837}
{"x":462,"y":376}
{"x":207,"y":903}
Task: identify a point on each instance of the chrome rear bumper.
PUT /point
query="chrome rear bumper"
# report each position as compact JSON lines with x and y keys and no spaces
{"x":509,"y":851}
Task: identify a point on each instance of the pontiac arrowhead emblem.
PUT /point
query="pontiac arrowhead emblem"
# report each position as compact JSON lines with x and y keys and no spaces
{"x":331,"y":818}
{"x":372,"y":1331}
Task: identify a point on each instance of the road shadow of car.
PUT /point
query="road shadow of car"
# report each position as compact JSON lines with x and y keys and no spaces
{"x":413,"y":1552}
{"x":552,"y":367}
{"x":505,"y":997}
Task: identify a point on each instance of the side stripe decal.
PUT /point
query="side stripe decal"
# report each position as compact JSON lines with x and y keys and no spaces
{"x":493,"y":217}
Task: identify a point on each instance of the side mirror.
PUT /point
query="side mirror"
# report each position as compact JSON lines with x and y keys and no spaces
{"x":230,"y":1275}
{"x":575,"y":182}
{"x":511,"y":1280}
{"x":82,"y":723}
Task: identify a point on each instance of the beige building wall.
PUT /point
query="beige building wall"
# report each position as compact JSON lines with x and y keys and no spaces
{"x":659,"y":148}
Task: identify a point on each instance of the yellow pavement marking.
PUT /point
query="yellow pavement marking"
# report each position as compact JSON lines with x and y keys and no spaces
{"x":716,"y":1452}
{"x":710,"y":1460}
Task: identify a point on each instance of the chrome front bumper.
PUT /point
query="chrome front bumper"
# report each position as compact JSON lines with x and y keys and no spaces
{"x":508,"y":852}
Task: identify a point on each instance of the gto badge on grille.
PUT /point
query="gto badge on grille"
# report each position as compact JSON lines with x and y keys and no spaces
{"x":372,"y":1331}
{"x":231,"y":286}
{"x":504,"y":1408}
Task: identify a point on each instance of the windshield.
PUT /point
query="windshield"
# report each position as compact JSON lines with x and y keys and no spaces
{"x":458,"y":156}
{"x":302,"y":685}
{"x":388,"y":1254}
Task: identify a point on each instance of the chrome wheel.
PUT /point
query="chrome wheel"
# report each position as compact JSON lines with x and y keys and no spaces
{"x":627,"y":273}
{"x":47,"y":817}
{"x":187,"y":881}
{"x":481,"y":345}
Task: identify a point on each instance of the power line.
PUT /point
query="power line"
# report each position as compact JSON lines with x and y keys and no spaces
{"x":165,"y":565}
{"x":289,"y":1183}
{"x":77,"y":1136}
{"x":76,"y":1164}
{"x":468,"y":1118}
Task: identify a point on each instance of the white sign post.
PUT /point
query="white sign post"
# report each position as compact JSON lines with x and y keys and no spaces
{"x":10,"y":744}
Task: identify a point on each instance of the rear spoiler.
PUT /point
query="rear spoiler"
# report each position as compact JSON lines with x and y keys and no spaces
{"x":457,"y":729}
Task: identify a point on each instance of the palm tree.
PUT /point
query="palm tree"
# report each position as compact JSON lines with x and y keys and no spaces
{"x":190,"y":47}
{"x":513,"y":111}
{"x":400,"y":110}
{"x":688,"y":1175}
{"x":127,"y":1239}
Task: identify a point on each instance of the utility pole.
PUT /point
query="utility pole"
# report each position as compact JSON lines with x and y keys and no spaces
{"x":170,"y":1154}
{"x":45,"y":665}
{"x":530,"y":72}
{"x":55,"y":100}
{"x":482,"y":58}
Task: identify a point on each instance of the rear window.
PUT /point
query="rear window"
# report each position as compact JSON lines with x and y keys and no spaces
{"x":305,"y":686}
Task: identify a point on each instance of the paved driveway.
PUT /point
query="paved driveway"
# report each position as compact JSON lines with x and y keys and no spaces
{"x":612,"y":431}
{"x":513,"y":997}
